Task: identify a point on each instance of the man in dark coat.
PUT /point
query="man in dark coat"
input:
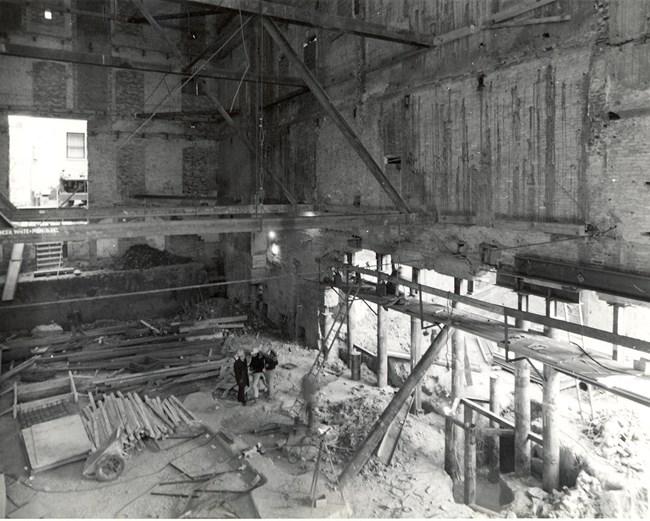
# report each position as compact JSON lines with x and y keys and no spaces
{"x":270,"y":363}
{"x":257,"y":370}
{"x":241,"y":375}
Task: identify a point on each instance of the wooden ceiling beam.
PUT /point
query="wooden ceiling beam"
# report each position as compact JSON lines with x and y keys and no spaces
{"x":115,"y":62}
{"x":83,"y":232}
{"x":329,"y":108}
{"x":312,"y":18}
{"x":172,"y":47}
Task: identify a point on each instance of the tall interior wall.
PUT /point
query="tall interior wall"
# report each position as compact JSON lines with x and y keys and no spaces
{"x":524,"y":124}
{"x":128,"y":153}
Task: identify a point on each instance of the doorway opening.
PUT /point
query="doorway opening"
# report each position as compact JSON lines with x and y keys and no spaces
{"x":48,"y":162}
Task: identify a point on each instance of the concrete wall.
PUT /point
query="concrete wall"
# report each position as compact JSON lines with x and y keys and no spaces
{"x":89,"y":286}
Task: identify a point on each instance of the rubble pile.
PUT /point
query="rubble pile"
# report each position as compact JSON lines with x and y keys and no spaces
{"x":143,"y":256}
{"x":352,"y":420}
{"x":219,"y":307}
{"x":581,"y":501}
{"x":620,"y":440}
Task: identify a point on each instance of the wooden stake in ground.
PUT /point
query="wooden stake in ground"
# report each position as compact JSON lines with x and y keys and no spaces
{"x":551,"y":473}
{"x":522,"y":418}
{"x":495,"y":441}
{"x":381,"y":425}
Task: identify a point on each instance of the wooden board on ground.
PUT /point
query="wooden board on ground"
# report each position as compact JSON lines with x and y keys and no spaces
{"x":11,"y":281}
{"x":32,"y":510}
{"x":56,"y":442}
{"x":388,"y":444}
{"x":3,"y":497}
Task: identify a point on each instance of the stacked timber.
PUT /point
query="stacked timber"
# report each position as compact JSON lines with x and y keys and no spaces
{"x":137,"y":417}
{"x":136,"y":356}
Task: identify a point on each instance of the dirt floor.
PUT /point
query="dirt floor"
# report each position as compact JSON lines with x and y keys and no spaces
{"x":607,"y":448}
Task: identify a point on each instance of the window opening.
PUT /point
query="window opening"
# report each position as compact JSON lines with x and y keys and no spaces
{"x":48,"y":164}
{"x":75,"y":145}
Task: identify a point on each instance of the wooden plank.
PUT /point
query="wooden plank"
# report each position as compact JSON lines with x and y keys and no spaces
{"x":329,"y":108}
{"x":598,"y":334}
{"x":11,"y":281}
{"x":20,"y":367}
{"x":388,"y":444}
{"x":498,"y":419}
{"x":3,"y":497}
{"x":199,"y":324}
{"x":457,"y":219}
{"x":135,"y":212}
{"x":315,"y":18}
{"x":52,"y":443}
{"x":34,"y":509}
{"x":78,"y":232}
{"x":38,"y":390}
{"x":517,"y":10}
{"x":154,"y":23}
{"x":534,"y":21}
{"x":574,"y":230}
{"x":378,"y":430}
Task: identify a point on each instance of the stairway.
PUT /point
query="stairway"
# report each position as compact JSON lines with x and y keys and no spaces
{"x":49,"y":257}
{"x":327,"y":344}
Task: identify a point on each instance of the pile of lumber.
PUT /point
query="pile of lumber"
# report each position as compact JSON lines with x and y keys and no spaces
{"x":138,"y":418}
{"x":130,"y":357}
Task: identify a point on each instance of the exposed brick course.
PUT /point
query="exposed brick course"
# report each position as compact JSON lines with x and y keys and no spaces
{"x":129,"y":91}
{"x":50,"y":84}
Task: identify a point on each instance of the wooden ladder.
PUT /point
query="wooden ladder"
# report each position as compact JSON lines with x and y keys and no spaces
{"x":49,"y":257}
{"x":326,"y":346}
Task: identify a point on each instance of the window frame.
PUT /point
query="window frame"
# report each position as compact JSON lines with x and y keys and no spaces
{"x":69,"y":146}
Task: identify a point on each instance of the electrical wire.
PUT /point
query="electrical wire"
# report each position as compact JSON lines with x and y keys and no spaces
{"x":596,"y":361}
{"x":248,"y":61}
{"x":177,"y":89}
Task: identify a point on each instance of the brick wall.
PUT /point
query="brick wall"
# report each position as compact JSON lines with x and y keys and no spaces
{"x":198,"y":178}
{"x":91,"y":88}
{"x":50,"y":85}
{"x":129,"y":91}
{"x":131,"y":170}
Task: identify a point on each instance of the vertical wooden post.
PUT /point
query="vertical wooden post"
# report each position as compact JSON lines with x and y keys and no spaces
{"x":522,"y":418}
{"x":378,"y":430}
{"x":416,"y":349}
{"x":469,"y":488}
{"x":495,"y":445}
{"x":349,"y":319}
{"x":453,"y":443}
{"x":549,"y":331}
{"x":551,"y":434}
{"x":328,"y":326}
{"x":382,"y":331}
{"x":616,"y":351}
{"x":522,"y":305}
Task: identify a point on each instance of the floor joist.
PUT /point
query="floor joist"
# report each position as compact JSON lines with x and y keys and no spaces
{"x":79,"y":232}
{"x":285,"y":13}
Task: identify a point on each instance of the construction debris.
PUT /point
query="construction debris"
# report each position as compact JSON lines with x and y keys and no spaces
{"x":143,"y":256}
{"x":137,"y":417}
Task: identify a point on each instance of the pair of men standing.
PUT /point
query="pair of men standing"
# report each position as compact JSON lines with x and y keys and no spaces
{"x":263,"y":363}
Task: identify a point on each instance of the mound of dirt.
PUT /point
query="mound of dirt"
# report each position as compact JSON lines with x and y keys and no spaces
{"x":352,"y":419}
{"x":143,"y":256}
